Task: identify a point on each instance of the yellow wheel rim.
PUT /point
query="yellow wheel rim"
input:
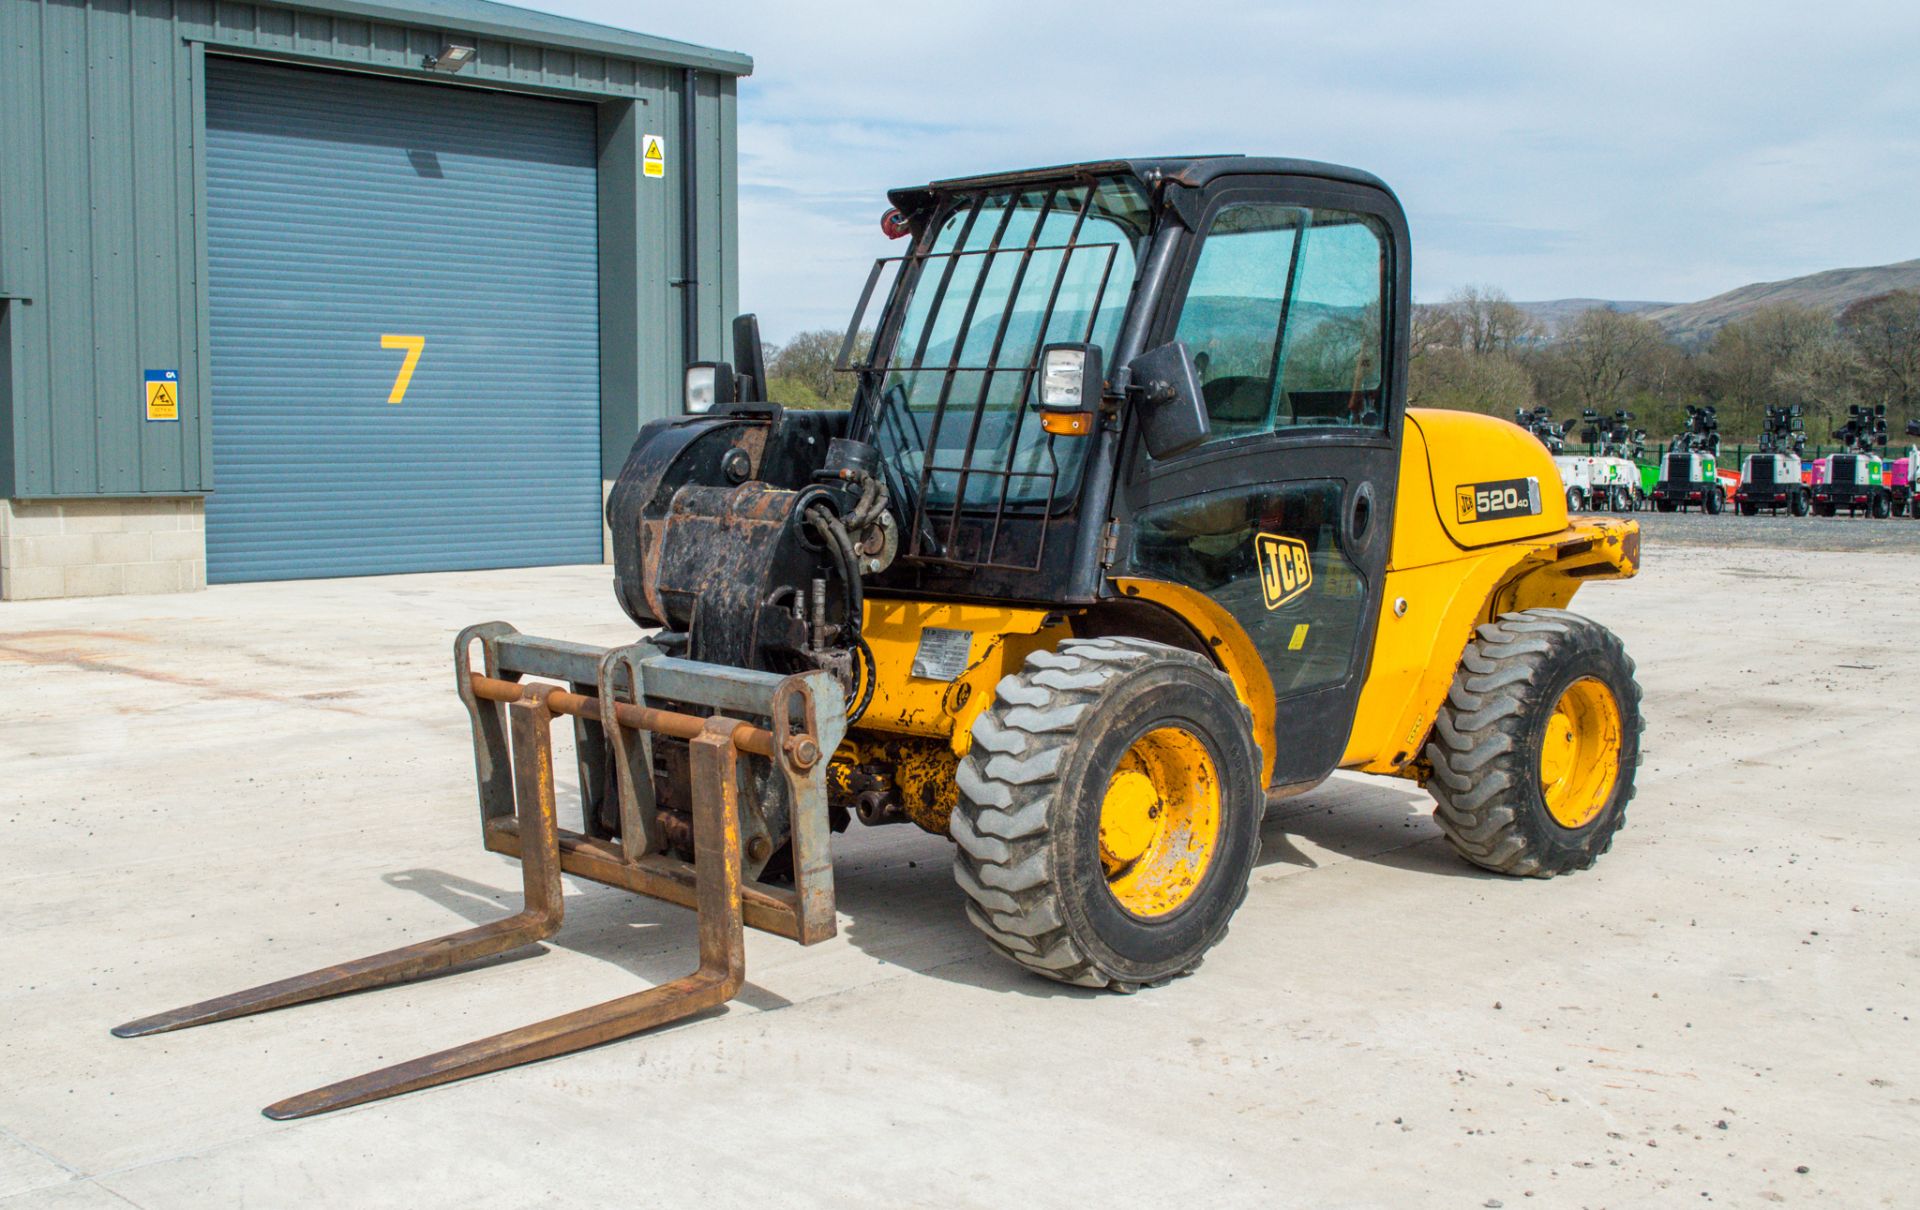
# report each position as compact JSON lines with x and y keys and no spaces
{"x":1580,"y":753}
{"x":1160,"y":821}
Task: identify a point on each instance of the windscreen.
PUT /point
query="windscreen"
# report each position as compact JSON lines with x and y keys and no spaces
{"x":950,"y":381}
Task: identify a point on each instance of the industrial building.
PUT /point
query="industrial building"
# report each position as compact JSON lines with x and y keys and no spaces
{"x":341,"y":287}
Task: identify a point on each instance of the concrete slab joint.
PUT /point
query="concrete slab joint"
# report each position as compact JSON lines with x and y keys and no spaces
{"x":102,"y":547}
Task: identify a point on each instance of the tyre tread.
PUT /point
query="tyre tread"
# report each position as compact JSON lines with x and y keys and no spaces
{"x":1007,"y":781}
{"x":1481,"y":728}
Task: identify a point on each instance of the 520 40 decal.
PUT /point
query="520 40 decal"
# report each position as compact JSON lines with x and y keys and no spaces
{"x":1498,"y":500}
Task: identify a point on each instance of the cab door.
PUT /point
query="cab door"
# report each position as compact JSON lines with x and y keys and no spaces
{"x":1292,"y":297}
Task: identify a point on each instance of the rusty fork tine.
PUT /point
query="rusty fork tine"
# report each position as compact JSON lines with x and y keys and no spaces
{"x":540,"y":871}
{"x":721,"y":971}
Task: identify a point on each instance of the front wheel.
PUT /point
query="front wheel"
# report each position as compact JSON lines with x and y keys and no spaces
{"x":1535,"y":751}
{"x":1109,"y":812}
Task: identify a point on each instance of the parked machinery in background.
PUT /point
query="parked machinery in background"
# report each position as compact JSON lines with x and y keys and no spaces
{"x":1904,"y":475}
{"x":1541,"y":425}
{"x":1545,"y":429}
{"x":1613,"y":474}
{"x":1690,"y":472}
{"x":1770,"y":479}
{"x":1855,"y":479}
{"x":1606,"y":482}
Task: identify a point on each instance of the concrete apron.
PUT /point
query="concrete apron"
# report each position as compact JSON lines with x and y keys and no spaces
{"x":208,"y":791}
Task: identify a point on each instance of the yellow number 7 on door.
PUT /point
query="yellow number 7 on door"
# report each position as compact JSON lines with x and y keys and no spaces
{"x":413,"y":345}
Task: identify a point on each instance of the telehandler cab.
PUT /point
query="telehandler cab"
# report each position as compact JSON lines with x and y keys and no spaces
{"x":1127,"y":534}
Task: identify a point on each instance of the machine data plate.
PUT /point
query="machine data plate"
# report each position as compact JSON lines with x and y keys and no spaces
{"x":942,"y":654}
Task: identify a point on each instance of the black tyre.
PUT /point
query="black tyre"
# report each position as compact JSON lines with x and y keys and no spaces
{"x":1749,"y":509}
{"x":1535,"y":751}
{"x":1109,"y":813}
{"x":1798,"y":505}
{"x":1576,"y":500}
{"x":1825,"y":509}
{"x":1665,"y":506}
{"x":1713,"y":501}
{"x":1881,"y":508}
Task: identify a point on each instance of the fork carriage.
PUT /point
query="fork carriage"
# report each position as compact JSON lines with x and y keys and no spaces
{"x":789,"y":724}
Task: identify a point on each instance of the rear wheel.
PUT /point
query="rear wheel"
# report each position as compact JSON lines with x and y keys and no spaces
{"x":1797,"y":504}
{"x":1881,"y":508}
{"x":1713,"y":500}
{"x":1576,"y":500}
{"x":1109,"y":813}
{"x":1535,"y":750}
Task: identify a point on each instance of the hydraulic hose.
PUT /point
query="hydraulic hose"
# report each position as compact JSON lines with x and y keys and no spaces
{"x":836,"y":538}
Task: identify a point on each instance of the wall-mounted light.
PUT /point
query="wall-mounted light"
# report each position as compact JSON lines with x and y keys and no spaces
{"x":452,"y":58}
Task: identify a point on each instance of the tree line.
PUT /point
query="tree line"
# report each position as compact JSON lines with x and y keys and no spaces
{"x":1478,"y":351}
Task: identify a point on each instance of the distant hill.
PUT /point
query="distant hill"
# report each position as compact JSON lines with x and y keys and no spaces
{"x":1555,"y":313}
{"x":1832,"y":291}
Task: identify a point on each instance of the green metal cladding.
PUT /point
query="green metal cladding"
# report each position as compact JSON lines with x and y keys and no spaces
{"x":103,"y":258}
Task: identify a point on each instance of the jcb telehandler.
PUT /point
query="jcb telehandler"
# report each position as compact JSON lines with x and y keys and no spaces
{"x":1127,"y":534}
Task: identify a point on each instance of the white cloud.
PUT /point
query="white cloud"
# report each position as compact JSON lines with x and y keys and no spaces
{"x":1628,"y":150}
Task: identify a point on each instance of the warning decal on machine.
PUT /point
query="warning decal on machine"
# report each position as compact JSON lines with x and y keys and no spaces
{"x":653,"y":156}
{"x":1498,"y":500}
{"x":163,"y":395}
{"x":942,"y":654}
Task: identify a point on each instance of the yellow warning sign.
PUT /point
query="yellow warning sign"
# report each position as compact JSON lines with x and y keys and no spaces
{"x":653,"y":155}
{"x":163,"y":394}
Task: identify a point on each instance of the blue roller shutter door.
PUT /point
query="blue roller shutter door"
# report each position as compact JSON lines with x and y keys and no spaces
{"x":350,"y":217}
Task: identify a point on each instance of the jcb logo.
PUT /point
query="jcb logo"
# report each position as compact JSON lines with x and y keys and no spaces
{"x":1286,"y":569}
{"x":1464,"y":499}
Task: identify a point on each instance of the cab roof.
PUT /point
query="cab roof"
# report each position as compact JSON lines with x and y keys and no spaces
{"x":1193,"y":171}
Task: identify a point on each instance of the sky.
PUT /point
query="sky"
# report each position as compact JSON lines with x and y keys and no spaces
{"x":1623,"y":150}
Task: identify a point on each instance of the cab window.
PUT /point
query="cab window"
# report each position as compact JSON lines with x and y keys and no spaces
{"x":1284,"y":316}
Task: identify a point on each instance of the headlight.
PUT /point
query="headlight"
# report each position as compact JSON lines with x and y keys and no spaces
{"x":708,"y":383}
{"x":1070,"y":379}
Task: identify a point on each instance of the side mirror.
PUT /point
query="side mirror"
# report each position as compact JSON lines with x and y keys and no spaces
{"x":750,"y":356}
{"x":709,"y":383}
{"x":1172,"y":411}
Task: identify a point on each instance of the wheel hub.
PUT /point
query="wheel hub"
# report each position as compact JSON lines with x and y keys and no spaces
{"x":1159,"y":821}
{"x":1580,"y":753}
